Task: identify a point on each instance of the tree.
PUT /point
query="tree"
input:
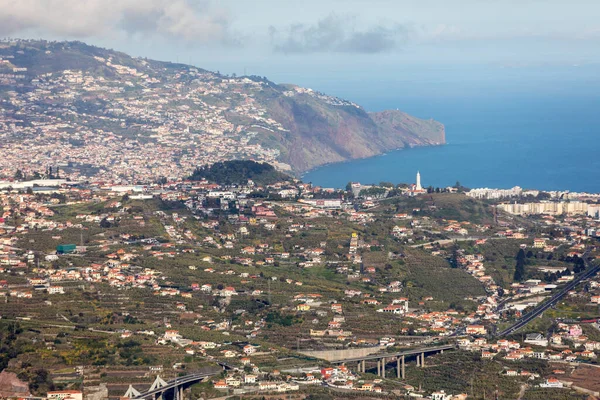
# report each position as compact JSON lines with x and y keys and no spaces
{"x":543,"y":196}
{"x":520,"y":267}
{"x":454,"y":256}
{"x":104,"y":223}
{"x":529,"y":254}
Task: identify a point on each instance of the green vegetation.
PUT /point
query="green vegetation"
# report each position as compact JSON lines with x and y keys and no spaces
{"x":520,"y":267}
{"x":9,"y":347}
{"x":238,"y":172}
{"x":465,"y":372}
{"x":553,"y":394}
{"x":279,"y":319}
{"x":376,"y":192}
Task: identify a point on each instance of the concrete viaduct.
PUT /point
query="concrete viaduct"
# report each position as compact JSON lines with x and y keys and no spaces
{"x":172,"y":390}
{"x":383,"y":359}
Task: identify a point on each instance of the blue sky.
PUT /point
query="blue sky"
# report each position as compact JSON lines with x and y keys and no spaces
{"x":425,"y":46}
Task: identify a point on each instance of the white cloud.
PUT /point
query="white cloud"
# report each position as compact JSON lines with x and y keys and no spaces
{"x":338,"y":34}
{"x":191,"y":20}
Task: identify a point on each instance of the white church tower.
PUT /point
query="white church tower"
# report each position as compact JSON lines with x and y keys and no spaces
{"x":418,"y":181}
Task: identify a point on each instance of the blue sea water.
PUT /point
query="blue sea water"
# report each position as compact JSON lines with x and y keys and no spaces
{"x":547,"y":142}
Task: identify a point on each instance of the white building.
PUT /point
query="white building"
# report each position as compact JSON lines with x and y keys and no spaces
{"x":56,"y":290}
{"x":65,"y":395}
{"x":551,"y":383}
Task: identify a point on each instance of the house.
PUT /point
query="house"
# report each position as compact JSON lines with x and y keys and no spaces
{"x":65,"y":395}
{"x":588,"y":354}
{"x":394,"y":309}
{"x":336,"y":308}
{"x":228,"y":353}
{"x":249,"y":378}
{"x":248,"y":250}
{"x":233,"y":381}
{"x":367,"y":387}
{"x":206,"y":288}
{"x":221,"y":384}
{"x":441,"y":395}
{"x":371,"y":301}
{"x":334,"y":325}
{"x":552,"y":383}
{"x":249,"y":349}
{"x":267,"y":385}
{"x":228,"y":291}
{"x":476,"y":330}
{"x":536,"y":339}
{"x":575,"y":331}
{"x":56,"y":290}
{"x":515,"y":355}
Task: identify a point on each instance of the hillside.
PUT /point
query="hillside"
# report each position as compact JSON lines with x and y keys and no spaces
{"x":105,"y":109}
{"x":239,"y":172}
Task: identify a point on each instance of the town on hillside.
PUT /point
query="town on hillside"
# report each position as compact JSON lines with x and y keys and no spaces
{"x":253,"y":284}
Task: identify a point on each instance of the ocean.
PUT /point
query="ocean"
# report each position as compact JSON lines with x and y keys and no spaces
{"x":547,"y":142}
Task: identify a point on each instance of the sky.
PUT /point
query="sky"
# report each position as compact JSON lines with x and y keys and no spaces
{"x":353,"y":48}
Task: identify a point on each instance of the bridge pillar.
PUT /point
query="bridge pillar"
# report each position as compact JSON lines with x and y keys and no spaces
{"x":383,"y":367}
{"x":418,"y":360}
{"x":423,"y":360}
{"x":364,"y":369}
{"x":403,"y":375}
{"x":378,"y":367}
{"x":442,"y":351}
{"x":180,"y":392}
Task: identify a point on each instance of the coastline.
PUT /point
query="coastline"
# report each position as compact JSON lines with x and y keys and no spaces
{"x":384,"y":153}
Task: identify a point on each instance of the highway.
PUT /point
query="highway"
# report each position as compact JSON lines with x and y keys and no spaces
{"x":377,"y":356}
{"x":184,"y":380}
{"x":528,"y":317}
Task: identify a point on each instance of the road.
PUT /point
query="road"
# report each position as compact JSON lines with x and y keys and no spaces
{"x":184,"y":380}
{"x":528,"y":317}
{"x":377,"y":356}
{"x":442,"y":242}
